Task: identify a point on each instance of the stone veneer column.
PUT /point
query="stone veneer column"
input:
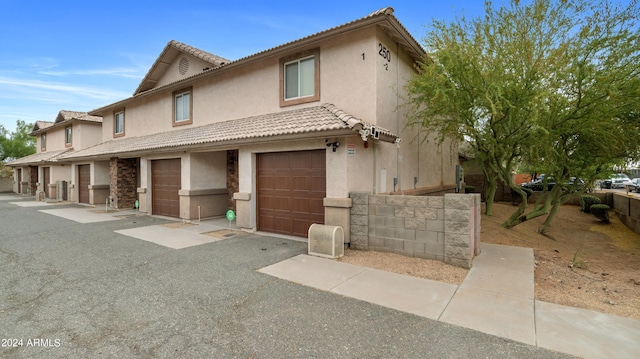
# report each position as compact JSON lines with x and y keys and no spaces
{"x":232,"y":177}
{"x":33,"y":179}
{"x":123,"y":182}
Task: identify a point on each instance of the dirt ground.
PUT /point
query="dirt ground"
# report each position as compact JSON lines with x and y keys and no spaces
{"x":582,"y":262}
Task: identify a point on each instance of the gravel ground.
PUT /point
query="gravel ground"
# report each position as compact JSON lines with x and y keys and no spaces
{"x":70,"y":290}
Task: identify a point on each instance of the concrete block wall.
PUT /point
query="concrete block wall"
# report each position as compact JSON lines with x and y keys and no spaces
{"x":6,"y":184}
{"x":445,"y":228}
{"x":627,"y":208}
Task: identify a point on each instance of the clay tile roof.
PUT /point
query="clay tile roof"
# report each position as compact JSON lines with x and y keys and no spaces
{"x":39,"y":126}
{"x":201,"y":54}
{"x":160,"y":65}
{"x":39,"y":158}
{"x":318,"y":119}
{"x":65,"y":116}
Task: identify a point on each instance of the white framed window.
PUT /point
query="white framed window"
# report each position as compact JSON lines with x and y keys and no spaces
{"x":182,"y":107}
{"x":118,"y":123}
{"x":300,"y":78}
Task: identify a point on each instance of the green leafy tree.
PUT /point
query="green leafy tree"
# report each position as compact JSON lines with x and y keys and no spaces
{"x":549,"y":83}
{"x":16,"y":144}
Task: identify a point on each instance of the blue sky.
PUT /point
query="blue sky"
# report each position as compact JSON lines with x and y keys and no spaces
{"x":81,"y":55}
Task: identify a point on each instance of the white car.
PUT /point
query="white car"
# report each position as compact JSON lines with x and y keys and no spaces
{"x":620,"y":180}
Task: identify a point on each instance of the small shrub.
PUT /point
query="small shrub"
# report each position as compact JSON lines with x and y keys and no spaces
{"x":601,"y":211}
{"x":469,"y":189}
{"x":587,"y":201}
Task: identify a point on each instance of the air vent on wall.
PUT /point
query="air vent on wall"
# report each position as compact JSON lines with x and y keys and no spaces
{"x":184,"y":66}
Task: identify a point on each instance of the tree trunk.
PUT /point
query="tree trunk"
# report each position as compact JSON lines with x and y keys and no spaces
{"x":557,"y":203}
{"x":490,"y":196}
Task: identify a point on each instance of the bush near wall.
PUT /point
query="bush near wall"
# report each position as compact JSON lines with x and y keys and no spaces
{"x":587,"y":201}
{"x":601,"y":211}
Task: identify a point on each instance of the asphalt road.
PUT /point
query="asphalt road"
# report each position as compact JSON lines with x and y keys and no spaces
{"x":70,"y":290}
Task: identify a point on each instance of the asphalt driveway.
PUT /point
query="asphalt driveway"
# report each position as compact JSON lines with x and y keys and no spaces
{"x":79,"y":290}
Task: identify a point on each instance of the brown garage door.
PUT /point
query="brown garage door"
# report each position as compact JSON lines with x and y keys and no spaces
{"x":165,"y":179}
{"x":84,"y":179}
{"x":291,"y":187}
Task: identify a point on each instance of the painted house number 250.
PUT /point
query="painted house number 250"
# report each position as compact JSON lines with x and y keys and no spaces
{"x":386,"y":54}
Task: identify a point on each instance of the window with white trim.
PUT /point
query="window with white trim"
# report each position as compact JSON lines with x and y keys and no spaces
{"x":43,"y":141}
{"x":300,"y":78}
{"x":182,"y":107}
{"x":118,"y":123}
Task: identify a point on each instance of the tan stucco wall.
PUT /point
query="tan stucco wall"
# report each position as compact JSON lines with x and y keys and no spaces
{"x":60,"y":173}
{"x":346,"y":80}
{"x":425,"y":161}
{"x":55,"y":140}
{"x":195,"y":66}
{"x":83,"y":135}
{"x":86,"y":135}
{"x":204,"y":170}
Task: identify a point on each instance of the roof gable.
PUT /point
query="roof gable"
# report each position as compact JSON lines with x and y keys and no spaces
{"x":64,"y":117}
{"x":155,"y":80}
{"x":178,"y":61}
{"x":39,"y":126}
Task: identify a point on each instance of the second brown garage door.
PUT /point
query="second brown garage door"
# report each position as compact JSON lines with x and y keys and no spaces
{"x":291,"y":187}
{"x":165,"y":179}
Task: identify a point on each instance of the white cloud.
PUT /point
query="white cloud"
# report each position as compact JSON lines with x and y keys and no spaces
{"x":25,"y":86}
{"x":132,"y":73}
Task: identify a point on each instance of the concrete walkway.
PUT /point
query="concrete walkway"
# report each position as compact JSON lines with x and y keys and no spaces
{"x":496,"y":297}
{"x":189,"y":235}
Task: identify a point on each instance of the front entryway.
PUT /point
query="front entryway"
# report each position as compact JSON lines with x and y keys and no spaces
{"x":166,"y":182}
{"x":84,"y":180}
{"x":46,"y":178}
{"x":291,"y":187}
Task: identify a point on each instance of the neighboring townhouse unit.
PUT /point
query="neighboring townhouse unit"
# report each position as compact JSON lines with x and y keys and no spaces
{"x":44,"y":173}
{"x":282,"y":136}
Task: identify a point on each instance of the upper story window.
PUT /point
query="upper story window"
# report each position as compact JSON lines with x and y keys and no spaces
{"x":43,"y":142}
{"x":118,"y":123}
{"x":300,"y":78}
{"x":183,"y":107}
{"x":68,"y":135}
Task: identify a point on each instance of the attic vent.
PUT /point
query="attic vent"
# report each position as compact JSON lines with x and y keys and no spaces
{"x":184,"y":66}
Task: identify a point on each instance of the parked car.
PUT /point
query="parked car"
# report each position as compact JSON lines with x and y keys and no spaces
{"x":619,"y":180}
{"x":635,"y":185}
{"x":538,"y":185}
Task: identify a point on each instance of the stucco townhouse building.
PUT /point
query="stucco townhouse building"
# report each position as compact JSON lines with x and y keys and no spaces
{"x":282,"y":136}
{"x":44,"y":173}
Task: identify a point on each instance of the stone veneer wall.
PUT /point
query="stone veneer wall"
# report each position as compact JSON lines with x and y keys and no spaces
{"x":445,"y":228}
{"x":232,"y":177}
{"x":123,"y":186}
{"x":33,"y":174}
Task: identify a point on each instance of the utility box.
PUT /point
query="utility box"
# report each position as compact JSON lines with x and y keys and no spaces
{"x":326,"y":241}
